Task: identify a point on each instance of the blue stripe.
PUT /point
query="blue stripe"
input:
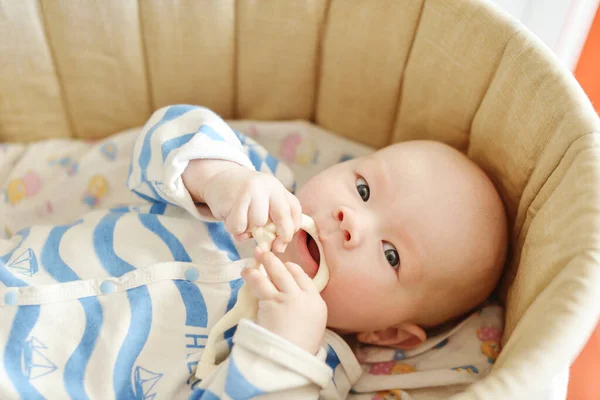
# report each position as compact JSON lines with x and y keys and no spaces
{"x":235,"y":288}
{"x":51,"y":259}
{"x":195,"y":306}
{"x":6,"y":277}
{"x":237,"y":387}
{"x":158,"y":208}
{"x":272,"y":163}
{"x":241,"y":137}
{"x":78,"y":361}
{"x":175,"y":143}
{"x":167,"y":147}
{"x":139,"y":302}
{"x":211,"y":133}
{"x":123,"y":209}
{"x":25,"y":319}
{"x":332,"y":358}
{"x":146,"y":152}
{"x":222,"y":239}
{"x":255,"y":158}
{"x":203,"y":394}
{"x":137,"y":335}
{"x":196,"y":312}
{"x":104,"y":239}
{"x":151,"y":222}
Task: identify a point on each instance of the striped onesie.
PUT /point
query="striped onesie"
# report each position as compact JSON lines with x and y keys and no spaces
{"x":119,"y":303}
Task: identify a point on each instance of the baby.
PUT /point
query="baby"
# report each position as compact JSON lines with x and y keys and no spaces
{"x":414,"y":235}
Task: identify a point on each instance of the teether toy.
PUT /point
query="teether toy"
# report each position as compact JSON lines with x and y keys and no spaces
{"x":247,"y":305}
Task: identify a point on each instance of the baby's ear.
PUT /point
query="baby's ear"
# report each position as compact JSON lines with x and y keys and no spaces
{"x":403,"y":336}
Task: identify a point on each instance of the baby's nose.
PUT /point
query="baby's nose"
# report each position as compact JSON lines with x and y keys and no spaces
{"x":350,"y":227}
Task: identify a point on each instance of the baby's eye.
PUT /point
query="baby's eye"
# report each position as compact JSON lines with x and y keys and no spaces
{"x":363,"y":189}
{"x":391,"y":254}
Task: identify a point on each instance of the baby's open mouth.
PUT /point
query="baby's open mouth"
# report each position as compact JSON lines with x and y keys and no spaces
{"x":313,"y":249}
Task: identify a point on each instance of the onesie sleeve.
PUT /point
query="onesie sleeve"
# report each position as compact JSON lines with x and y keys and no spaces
{"x":264,"y":364}
{"x":175,"y":135}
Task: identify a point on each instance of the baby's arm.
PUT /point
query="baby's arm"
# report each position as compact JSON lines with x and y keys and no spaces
{"x":262,"y":363}
{"x":172,"y":137}
{"x":281,"y":346}
{"x":189,"y":157}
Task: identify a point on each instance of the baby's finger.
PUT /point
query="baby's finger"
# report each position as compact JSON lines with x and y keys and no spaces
{"x":236,"y":222}
{"x":303,"y":280}
{"x":280,"y":214}
{"x":296,"y":210}
{"x":258,"y":212}
{"x":258,"y":252}
{"x":259,"y":284}
{"x":278,"y":273}
{"x":242,"y":236}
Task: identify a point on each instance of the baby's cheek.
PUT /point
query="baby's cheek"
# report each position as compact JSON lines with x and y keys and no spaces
{"x":318,"y":189}
{"x":351,"y":302}
{"x":311,"y":190}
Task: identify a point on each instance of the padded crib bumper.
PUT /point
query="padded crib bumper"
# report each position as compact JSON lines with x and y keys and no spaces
{"x":461,"y":72}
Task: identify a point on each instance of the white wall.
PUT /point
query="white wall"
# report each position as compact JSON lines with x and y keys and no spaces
{"x":562,"y":24}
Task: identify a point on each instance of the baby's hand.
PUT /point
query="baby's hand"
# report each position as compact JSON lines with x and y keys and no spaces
{"x":247,"y":199}
{"x":289,"y":304}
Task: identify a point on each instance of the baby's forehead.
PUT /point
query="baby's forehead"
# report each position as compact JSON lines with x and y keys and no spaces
{"x":421,"y":179}
{"x":397,"y":165}
{"x":414,"y":150}
{"x":394,"y":157}
{"x":423,"y":160}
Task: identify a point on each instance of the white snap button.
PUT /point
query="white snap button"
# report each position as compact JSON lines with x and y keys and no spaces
{"x":107,"y":287}
{"x":191,"y":274}
{"x":10,"y":298}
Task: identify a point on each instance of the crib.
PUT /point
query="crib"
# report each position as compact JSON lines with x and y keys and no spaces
{"x":374,"y":71}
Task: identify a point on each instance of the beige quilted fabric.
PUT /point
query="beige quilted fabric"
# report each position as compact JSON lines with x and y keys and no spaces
{"x":376,"y":71}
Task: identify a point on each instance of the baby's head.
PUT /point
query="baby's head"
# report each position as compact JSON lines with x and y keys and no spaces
{"x":414,"y":235}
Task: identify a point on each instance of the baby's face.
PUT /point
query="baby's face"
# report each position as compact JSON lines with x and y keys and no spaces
{"x":394,"y":227}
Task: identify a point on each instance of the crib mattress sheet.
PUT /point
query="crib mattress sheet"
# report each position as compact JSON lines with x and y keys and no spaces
{"x":56,"y":181}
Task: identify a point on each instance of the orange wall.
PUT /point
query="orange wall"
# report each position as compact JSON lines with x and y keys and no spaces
{"x":588,"y":67}
{"x":583,"y":381}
